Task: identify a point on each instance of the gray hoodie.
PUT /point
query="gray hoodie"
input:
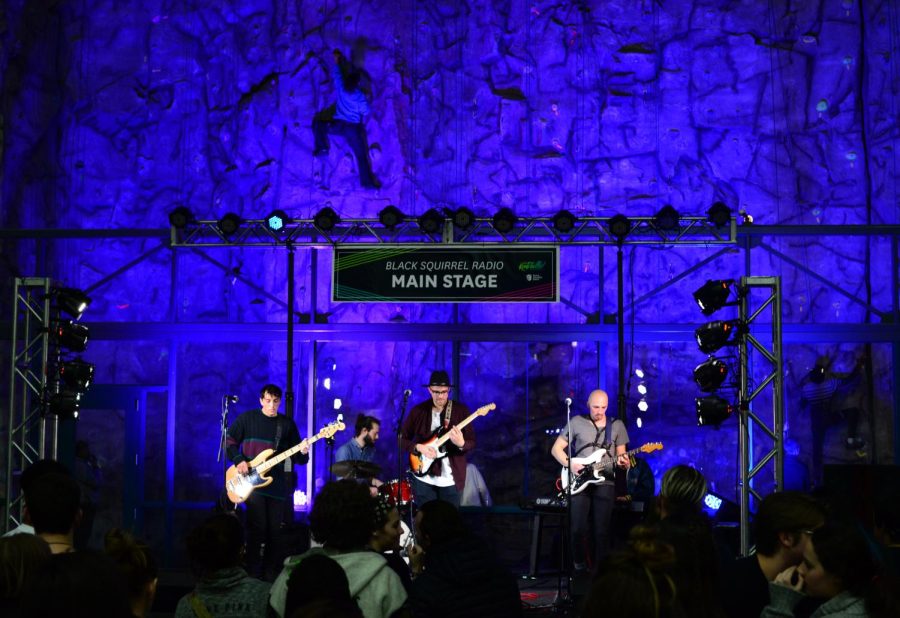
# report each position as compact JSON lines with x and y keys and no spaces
{"x":784,"y":599}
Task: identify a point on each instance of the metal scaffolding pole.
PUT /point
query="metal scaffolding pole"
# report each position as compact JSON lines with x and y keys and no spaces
{"x":28,"y":429}
{"x":755,"y":458}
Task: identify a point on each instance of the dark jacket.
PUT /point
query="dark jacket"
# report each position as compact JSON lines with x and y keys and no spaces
{"x":417,"y":429}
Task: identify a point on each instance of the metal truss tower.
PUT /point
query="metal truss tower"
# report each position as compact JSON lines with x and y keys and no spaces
{"x":761,"y":433}
{"x":29,"y":431}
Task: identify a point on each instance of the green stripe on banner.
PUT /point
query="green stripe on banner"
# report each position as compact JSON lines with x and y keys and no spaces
{"x":370,"y":255}
{"x":349,"y":293}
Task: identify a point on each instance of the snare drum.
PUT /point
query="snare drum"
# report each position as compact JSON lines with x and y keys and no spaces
{"x":398,"y":491}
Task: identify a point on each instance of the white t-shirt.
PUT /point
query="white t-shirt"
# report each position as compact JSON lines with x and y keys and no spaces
{"x":446,"y":477}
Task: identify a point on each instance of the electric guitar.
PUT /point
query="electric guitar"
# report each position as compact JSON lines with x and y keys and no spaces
{"x":419,"y":462}
{"x":240,"y":486}
{"x":594,"y":469}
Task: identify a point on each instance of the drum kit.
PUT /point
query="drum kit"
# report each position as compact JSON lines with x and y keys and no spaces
{"x":397,"y":491}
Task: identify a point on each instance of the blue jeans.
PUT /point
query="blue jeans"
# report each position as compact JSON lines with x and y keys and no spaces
{"x":424,"y":492}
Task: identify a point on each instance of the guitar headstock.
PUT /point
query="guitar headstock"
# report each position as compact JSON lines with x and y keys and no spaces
{"x":331,"y":428}
{"x":651,"y":446}
{"x":485,"y":409}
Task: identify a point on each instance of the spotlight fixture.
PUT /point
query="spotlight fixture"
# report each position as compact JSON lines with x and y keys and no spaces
{"x":463,"y":218}
{"x":667,"y":218}
{"x":619,"y":226}
{"x":390,"y":217}
{"x":72,"y":336}
{"x":229,"y":224}
{"x":713,"y":335}
{"x":710,"y":374}
{"x":276,"y":220}
{"x":72,"y":301}
{"x":77,"y":374}
{"x":564,"y":221}
{"x":181,"y":217}
{"x":713,"y":410}
{"x":326,"y":219}
{"x":719,"y":214}
{"x":713,"y":295}
{"x":64,"y":404}
{"x":431,"y":221}
{"x":505,"y":220}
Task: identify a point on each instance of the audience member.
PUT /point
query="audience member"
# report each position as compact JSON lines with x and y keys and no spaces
{"x":386,"y":538}
{"x":318,"y":579}
{"x":20,"y":557}
{"x":886,"y":515}
{"x":475,"y":492}
{"x":86,"y":584}
{"x":215,"y":549}
{"x":460,"y":575}
{"x":29,"y":475}
{"x":838,"y":569}
{"x":139,"y":567}
{"x":53,"y":506}
{"x":783,"y":525}
{"x":342,"y":520}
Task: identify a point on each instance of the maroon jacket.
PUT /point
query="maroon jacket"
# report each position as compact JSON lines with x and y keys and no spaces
{"x":417,"y":429}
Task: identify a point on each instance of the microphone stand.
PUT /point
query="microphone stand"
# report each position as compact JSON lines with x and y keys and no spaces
{"x":401,"y":464}
{"x":223,"y":433}
{"x":562,"y":601}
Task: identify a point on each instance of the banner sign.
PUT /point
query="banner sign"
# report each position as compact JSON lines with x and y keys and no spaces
{"x":454,"y":274}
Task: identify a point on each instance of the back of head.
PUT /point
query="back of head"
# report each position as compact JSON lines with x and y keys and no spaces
{"x":844,"y":552}
{"x":80,"y":584}
{"x":886,"y":516}
{"x":134,"y":559}
{"x":215,"y":544}
{"x":328,"y":608}
{"x":682,"y":490}
{"x":440,"y":522}
{"x":53,"y":501}
{"x":785,"y":512}
{"x":316,"y":578}
{"x":38,"y":469}
{"x":343,"y":515}
{"x":21,"y":555}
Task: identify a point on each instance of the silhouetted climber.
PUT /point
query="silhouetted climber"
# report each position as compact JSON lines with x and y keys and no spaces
{"x":346,"y":118}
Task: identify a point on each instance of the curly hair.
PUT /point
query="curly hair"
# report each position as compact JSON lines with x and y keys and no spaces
{"x":343,"y":515}
{"x":134,"y":559}
{"x":215,"y":544}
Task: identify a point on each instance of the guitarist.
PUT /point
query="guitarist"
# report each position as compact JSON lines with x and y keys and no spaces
{"x":250,"y":434}
{"x":446,"y":477}
{"x":595,"y":503}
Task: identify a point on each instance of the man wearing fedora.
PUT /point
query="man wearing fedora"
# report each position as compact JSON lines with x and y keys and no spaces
{"x":446,"y":477}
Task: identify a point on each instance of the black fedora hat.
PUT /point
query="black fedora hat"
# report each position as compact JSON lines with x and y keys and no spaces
{"x":439,"y":378}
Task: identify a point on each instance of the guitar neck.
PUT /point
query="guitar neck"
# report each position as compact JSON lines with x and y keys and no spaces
{"x":462,"y":424}
{"x":274,"y":461}
{"x":612,"y":462}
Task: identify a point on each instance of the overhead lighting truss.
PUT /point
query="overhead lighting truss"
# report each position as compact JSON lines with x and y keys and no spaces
{"x":694,"y":231}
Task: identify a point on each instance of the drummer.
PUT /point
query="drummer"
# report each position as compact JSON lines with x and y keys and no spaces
{"x":361,"y":447}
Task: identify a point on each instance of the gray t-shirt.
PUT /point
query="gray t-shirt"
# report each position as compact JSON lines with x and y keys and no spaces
{"x":587,"y":438}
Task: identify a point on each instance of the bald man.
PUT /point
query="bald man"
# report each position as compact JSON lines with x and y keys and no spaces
{"x":593,"y":505}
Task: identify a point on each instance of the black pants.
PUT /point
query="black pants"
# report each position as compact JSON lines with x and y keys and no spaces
{"x":354,"y":133}
{"x":265,"y":517}
{"x":592,"y":508}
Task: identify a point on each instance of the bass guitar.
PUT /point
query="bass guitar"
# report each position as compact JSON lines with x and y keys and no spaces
{"x":240,"y":486}
{"x":419,"y":463}
{"x":595,"y":470}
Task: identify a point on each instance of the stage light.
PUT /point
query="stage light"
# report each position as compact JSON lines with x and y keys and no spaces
{"x":229,"y":224}
{"x":77,"y":374}
{"x":713,"y":335}
{"x":64,"y":404}
{"x":72,"y":336}
{"x":713,"y":295}
{"x":667,"y":218}
{"x":719,"y":214}
{"x":505,"y":220}
{"x":326,"y":219}
{"x":710,"y":374}
{"x":713,"y":410}
{"x":639,"y":372}
{"x":564,"y":221}
{"x":276,"y":221}
{"x":390,"y":217}
{"x":463,"y":218}
{"x":643,"y":406}
{"x":642,"y":389}
{"x":181,"y":217}
{"x":70,"y":300}
{"x":431,"y":222}
{"x":619,"y":226}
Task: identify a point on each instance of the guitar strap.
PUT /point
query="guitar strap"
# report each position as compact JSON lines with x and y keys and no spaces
{"x":279,"y":423}
{"x":447,"y":409}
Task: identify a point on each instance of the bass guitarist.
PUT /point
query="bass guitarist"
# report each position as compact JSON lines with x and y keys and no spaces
{"x":594,"y":504}
{"x":446,"y":477}
{"x":250,"y":434}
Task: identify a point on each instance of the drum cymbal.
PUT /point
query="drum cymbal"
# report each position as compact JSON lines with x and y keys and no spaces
{"x":355,"y":469}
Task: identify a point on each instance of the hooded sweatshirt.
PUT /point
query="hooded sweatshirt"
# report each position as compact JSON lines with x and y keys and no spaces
{"x":227,"y":593}
{"x":784,"y":599}
{"x":373,"y":584}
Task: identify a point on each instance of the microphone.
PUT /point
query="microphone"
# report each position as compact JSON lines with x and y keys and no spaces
{"x":407,"y":393}
{"x":231,"y":398}
{"x":568,"y":401}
